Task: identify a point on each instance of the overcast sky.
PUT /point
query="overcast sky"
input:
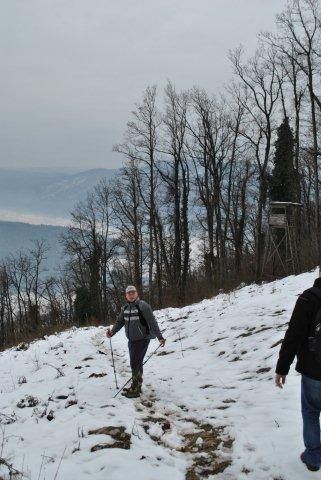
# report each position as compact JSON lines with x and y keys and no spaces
{"x":71,"y":70}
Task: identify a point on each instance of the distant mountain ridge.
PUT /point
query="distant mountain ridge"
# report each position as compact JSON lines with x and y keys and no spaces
{"x":46,"y":192}
{"x":16,"y":236}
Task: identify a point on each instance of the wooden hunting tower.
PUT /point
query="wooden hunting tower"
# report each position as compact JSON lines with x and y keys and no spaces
{"x":281,"y":255}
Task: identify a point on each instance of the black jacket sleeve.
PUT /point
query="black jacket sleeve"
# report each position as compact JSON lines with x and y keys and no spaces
{"x":295,"y":336}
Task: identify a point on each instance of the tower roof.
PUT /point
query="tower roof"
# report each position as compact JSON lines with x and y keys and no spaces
{"x":285,"y":204}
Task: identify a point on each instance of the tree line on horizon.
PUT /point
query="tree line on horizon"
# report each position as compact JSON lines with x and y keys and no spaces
{"x":187,"y":215}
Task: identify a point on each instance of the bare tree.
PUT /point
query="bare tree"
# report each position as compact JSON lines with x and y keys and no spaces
{"x":90,"y":245}
{"x":174,"y":170}
{"x":299,"y":40}
{"x":140,"y":144}
{"x":211,"y":151}
{"x":130,"y":219}
{"x":261,"y":87}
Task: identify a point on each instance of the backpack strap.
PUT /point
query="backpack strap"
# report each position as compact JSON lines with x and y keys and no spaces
{"x":317,"y":293}
{"x":142,"y":318}
{"x":315,"y":338}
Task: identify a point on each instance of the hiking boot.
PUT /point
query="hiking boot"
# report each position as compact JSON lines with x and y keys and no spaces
{"x":125,"y":391}
{"x":312,"y":468}
{"x":128,"y":389}
{"x":134,"y":393}
{"x":136,"y":387}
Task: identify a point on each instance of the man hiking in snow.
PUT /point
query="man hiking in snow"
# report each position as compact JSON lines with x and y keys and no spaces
{"x":140,"y":327}
{"x":303,"y":339}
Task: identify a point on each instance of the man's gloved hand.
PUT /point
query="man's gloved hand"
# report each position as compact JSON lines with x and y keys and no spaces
{"x":162,"y":342}
{"x":109,"y":333}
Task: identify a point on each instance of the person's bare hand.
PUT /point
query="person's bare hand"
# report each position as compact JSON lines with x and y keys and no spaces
{"x":280,"y":380}
{"x":109,"y":333}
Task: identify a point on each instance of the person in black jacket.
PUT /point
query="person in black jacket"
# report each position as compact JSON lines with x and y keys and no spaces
{"x":296,"y":343}
{"x":140,"y":326}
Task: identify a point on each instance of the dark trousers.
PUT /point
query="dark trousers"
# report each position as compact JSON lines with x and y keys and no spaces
{"x":311,"y":407}
{"x":137,"y":352}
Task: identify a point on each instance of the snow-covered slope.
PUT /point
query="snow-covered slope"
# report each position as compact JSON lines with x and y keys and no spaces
{"x":209,"y":405}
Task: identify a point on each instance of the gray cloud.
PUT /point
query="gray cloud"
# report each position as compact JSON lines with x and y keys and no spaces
{"x":72,"y":69}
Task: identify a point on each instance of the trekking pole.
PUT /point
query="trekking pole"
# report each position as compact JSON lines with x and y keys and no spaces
{"x":122,"y":388}
{"x":112,"y":356}
{"x":180,"y":340}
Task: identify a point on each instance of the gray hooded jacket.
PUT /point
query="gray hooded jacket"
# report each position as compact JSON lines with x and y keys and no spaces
{"x":134,"y":328}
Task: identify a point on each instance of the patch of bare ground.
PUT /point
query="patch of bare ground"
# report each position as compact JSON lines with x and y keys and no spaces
{"x":204,"y":445}
{"x":121,"y":438}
